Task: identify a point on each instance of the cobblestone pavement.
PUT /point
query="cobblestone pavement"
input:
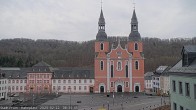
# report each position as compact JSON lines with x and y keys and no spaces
{"x":126,"y":101}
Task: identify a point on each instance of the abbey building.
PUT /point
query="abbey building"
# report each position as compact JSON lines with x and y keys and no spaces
{"x":119,"y":65}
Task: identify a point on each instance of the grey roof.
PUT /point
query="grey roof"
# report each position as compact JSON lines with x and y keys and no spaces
{"x":73,"y":73}
{"x":41,"y":67}
{"x":101,"y":19}
{"x":134,"y":35}
{"x":178,"y":68}
{"x":134,"y":17}
{"x":148,"y":75}
{"x":161,"y":69}
{"x":41,"y":64}
{"x":101,"y":35}
{"x":16,"y":74}
{"x":190,"y":48}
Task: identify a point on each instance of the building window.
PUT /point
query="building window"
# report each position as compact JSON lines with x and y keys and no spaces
{"x":64,"y":81}
{"x":181,"y":108}
{"x":195,"y":91}
{"x":25,"y":81}
{"x":101,"y":46}
{"x":74,"y":81}
{"x":112,"y":84}
{"x":136,"y":46}
{"x":69,"y":81}
{"x":90,"y":81}
{"x":54,"y":81}
{"x":136,"y":65}
{"x":79,"y":87}
{"x":74,"y":87}
{"x":20,"y":87}
{"x":85,"y":81}
{"x":174,"y":106}
{"x":119,"y":65}
{"x":59,"y":81}
{"x":53,"y":87}
{"x":13,"y":81}
{"x":13,"y":88}
{"x":112,"y":71}
{"x":59,"y":88}
{"x":64,"y":87}
{"x":84,"y":87}
{"x":187,"y":89}
{"x":127,"y":74}
{"x":9,"y":81}
{"x":79,"y":81}
{"x":101,"y":65}
{"x":127,"y":84}
{"x":16,"y":87}
{"x":180,"y":88}
{"x":174,"y":86}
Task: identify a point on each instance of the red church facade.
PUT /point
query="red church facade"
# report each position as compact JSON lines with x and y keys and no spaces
{"x":119,"y":68}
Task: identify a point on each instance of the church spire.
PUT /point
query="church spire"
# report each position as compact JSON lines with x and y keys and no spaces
{"x":101,"y":35}
{"x":134,"y":35}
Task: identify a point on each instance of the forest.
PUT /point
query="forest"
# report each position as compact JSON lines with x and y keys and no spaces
{"x":21,"y":52}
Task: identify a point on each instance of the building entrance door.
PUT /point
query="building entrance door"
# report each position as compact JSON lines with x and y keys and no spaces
{"x":101,"y":89}
{"x":137,"y":88}
{"x":119,"y":88}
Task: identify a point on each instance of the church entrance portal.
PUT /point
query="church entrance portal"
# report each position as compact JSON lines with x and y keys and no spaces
{"x":101,"y":89}
{"x":119,"y":88}
{"x":137,"y":88}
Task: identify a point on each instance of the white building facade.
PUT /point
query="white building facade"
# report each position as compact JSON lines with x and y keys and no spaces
{"x":3,"y":88}
{"x":72,"y":85}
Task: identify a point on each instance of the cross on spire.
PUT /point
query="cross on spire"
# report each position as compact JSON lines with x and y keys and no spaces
{"x":101,"y":4}
{"x":134,"y":4}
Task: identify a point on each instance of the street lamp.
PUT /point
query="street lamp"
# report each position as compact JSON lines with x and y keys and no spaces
{"x":113,"y":97}
{"x":69,"y":89}
{"x":108,"y":105}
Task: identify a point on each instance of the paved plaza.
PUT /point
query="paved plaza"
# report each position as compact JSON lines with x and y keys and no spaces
{"x":126,"y":101}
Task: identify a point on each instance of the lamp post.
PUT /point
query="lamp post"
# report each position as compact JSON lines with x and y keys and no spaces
{"x":108,"y":105}
{"x":70,"y":96}
{"x":113,"y":97}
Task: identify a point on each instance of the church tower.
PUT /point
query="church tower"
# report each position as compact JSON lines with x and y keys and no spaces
{"x":101,"y":49}
{"x":135,"y":46}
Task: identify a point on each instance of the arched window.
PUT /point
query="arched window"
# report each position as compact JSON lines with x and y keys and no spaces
{"x":136,"y":46}
{"x":136,"y":65}
{"x":112,"y":71}
{"x":101,"y":46}
{"x":126,"y":71}
{"x":101,"y":65}
{"x":119,"y":65}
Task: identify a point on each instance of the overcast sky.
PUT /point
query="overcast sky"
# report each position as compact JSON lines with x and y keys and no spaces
{"x":77,"y":20}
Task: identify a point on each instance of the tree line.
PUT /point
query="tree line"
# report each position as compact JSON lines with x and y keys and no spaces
{"x":22,"y":52}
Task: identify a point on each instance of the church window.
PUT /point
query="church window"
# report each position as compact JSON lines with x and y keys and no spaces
{"x":101,"y":65}
{"x":102,"y":46}
{"x":112,"y":84}
{"x":136,"y":46}
{"x":119,"y":65}
{"x":126,"y":71}
{"x":136,"y":65}
{"x":112,"y":71}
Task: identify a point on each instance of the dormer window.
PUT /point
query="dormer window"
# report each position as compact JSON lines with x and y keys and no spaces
{"x":101,"y":46}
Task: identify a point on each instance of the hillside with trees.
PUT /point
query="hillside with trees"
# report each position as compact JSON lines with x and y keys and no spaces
{"x":59,"y":53}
